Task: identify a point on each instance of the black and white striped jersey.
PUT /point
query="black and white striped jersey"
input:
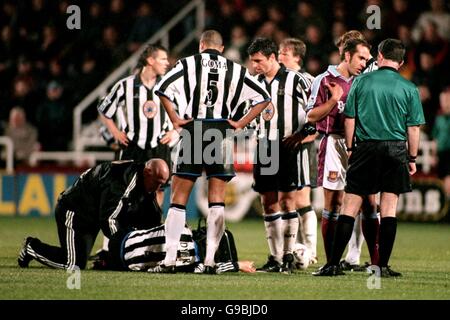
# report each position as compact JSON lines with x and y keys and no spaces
{"x":138,"y":109}
{"x":289,"y":91}
{"x":143,"y":249}
{"x":209,"y":86}
{"x":371,"y":65}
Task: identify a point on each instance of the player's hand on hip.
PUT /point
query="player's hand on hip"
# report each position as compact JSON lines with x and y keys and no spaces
{"x":235,"y":124}
{"x":412,"y":168}
{"x":171,"y":137}
{"x":121,"y":137}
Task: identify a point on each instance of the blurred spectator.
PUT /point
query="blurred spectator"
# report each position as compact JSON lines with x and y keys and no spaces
{"x":117,"y":17}
{"x":23,"y":96}
{"x":252,"y":18}
{"x":317,"y":46}
{"x":438,"y":15}
{"x":54,"y":120}
{"x":337,"y":30}
{"x":401,"y":14}
{"x":236,"y":50}
{"x":23,"y":135}
{"x":432,"y":43}
{"x":88,"y":75}
{"x":441,"y":134}
{"x":145,"y":25}
{"x":110,"y":51}
{"x":304,"y":17}
{"x":427,"y":78}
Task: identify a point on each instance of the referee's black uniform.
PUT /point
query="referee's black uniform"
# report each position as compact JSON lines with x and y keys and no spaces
{"x":110,"y":197}
{"x":141,"y":116}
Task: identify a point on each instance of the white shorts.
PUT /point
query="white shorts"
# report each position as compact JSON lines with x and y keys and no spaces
{"x":333,"y":162}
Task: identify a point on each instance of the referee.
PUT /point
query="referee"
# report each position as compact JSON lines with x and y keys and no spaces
{"x":383,"y":112}
{"x":203,"y":92}
{"x":288,"y":91}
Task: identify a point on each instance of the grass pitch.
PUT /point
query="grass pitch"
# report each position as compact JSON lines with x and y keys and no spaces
{"x":421,"y":253}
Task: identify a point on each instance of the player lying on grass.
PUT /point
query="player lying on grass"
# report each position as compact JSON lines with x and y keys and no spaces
{"x":144,"y":250}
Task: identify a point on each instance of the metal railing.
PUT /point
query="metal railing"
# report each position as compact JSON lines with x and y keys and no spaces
{"x":163,"y":36}
{"x":79,"y":158}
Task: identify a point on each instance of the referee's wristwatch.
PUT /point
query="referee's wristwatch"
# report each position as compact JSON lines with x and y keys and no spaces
{"x":412,"y":159}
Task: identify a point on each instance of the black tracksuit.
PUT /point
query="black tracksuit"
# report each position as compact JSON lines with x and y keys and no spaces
{"x":110,"y":197}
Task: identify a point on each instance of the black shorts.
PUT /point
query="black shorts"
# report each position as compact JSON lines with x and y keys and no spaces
{"x":378,"y":166}
{"x":281,"y":173}
{"x":134,"y":152}
{"x":206,"y":144}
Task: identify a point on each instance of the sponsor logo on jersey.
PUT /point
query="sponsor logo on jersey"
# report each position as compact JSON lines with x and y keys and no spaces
{"x":150,"y":109}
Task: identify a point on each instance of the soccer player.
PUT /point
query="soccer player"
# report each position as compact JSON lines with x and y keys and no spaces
{"x":325,"y":108}
{"x":142,"y":119}
{"x":367,"y":223}
{"x":144,"y":131}
{"x":143,"y":250}
{"x":277,"y":189}
{"x":112,"y":197}
{"x":291,"y":54}
{"x":201,"y":94}
{"x":383,"y":115}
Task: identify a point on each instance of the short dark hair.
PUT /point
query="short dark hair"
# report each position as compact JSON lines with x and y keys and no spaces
{"x":351,"y":45}
{"x":149,"y":51}
{"x":211,"y":38}
{"x":392,"y":49}
{"x":263,"y":45}
{"x":298,"y":46}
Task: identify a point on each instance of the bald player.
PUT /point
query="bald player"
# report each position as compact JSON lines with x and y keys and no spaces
{"x":114,"y":197}
{"x":201,"y":94}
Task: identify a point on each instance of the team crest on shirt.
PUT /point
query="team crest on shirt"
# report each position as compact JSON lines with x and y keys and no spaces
{"x":268,"y":112}
{"x":150,"y":109}
{"x":340,"y":106}
{"x":332,"y":176}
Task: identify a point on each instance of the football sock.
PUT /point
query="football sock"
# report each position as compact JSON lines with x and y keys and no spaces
{"x":274,"y":236}
{"x":309,"y":223}
{"x":344,"y":228}
{"x":290,"y":230}
{"x":388,"y":230}
{"x":355,"y":243}
{"x":370,"y":228}
{"x":214,"y":231}
{"x":328,"y":225}
{"x":173,"y":227}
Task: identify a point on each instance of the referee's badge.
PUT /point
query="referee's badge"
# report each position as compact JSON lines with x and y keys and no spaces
{"x":150,"y":109}
{"x":268,"y":112}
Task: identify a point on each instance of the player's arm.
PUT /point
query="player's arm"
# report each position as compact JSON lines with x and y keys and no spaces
{"x":413,"y":147}
{"x":119,"y":135}
{"x":349,"y":129}
{"x":173,"y":116}
{"x":254,"y":91}
{"x":252,"y":114}
{"x":321,"y":111}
